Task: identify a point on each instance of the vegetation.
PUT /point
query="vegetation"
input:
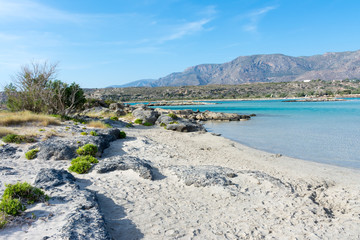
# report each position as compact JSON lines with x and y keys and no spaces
{"x":82,"y":164}
{"x":114,"y":118}
{"x":84,"y":133}
{"x":35,"y":88}
{"x":31,"y":154}
{"x":138,"y":121}
{"x":122,"y":134}
{"x":174,"y":122}
{"x":173,"y":116}
{"x":129,"y":125}
{"x":162,"y":125}
{"x":16,"y":196}
{"x":147,"y":124}
{"x":5,"y":131}
{"x":315,"y":88}
{"x":87,"y":149}
{"x":98,"y":124}
{"x":14,"y":138}
{"x":93,"y":133}
{"x":26,"y":117}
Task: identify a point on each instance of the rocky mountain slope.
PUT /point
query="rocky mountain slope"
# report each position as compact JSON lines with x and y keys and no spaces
{"x":265,"y":68}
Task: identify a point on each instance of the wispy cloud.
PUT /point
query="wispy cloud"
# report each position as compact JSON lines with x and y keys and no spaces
{"x":30,"y":10}
{"x":186,"y":29}
{"x":254,"y":18}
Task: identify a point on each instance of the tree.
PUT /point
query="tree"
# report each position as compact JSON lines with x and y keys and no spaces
{"x":36,"y":88}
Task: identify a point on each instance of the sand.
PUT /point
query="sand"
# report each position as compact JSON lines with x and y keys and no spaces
{"x":270,"y":196}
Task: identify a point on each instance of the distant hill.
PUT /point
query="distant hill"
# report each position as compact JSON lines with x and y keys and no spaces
{"x":264,"y":68}
{"x":138,"y":83}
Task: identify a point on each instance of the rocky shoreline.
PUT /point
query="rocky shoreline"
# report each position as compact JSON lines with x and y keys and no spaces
{"x":159,"y":184}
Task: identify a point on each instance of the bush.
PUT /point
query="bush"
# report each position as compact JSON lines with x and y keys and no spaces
{"x":80,"y":166}
{"x":25,"y":192}
{"x":148,"y":124}
{"x":174,"y":122}
{"x":88,"y":158}
{"x":122,"y":134}
{"x":173,"y":116}
{"x":84,"y":133}
{"x":31,"y":154}
{"x":14,"y":138}
{"x":98,"y":124}
{"x":11,"y":206}
{"x":138,"y":121}
{"x":93,"y":133}
{"x":16,"y":196}
{"x":162,"y":125}
{"x":114,"y":118}
{"x":87,"y":149}
{"x":2,"y":220}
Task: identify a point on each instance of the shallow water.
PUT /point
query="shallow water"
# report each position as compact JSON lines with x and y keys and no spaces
{"x":326,"y":132}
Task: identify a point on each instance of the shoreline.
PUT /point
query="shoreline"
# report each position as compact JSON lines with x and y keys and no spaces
{"x":204,"y":187}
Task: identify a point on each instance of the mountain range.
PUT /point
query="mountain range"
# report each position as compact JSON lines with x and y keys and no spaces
{"x":263,"y":68}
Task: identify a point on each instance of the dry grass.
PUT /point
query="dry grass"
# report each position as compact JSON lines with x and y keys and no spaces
{"x":101,"y":114}
{"x":97,"y":124}
{"x":24,"y":118}
{"x":5,"y":131}
{"x":128,"y":117}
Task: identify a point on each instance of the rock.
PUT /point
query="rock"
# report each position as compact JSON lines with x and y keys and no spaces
{"x":116,"y":106}
{"x":147,"y":115}
{"x":201,"y":176}
{"x":7,"y":151}
{"x":65,"y":149}
{"x":125,"y":163}
{"x":83,"y":218}
{"x":53,"y":178}
{"x":7,"y":171}
{"x":180,"y":125}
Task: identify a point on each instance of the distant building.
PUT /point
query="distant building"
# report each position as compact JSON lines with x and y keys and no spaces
{"x":307,"y":80}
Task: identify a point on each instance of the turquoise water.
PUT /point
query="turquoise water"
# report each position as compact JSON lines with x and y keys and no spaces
{"x":326,"y":132}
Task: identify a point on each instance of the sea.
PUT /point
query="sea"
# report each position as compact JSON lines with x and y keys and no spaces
{"x":324,"y":132}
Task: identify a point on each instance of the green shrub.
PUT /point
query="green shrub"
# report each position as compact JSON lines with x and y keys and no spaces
{"x":148,"y":124}
{"x":138,"y":121}
{"x":93,"y":133}
{"x":88,"y":158}
{"x":108,"y":125}
{"x":162,"y":125}
{"x":80,"y":166}
{"x":11,"y":206}
{"x":87,"y":149}
{"x":174,"y":122}
{"x":24,"y":191}
{"x":31,"y":154}
{"x":14,"y":138}
{"x":84,"y":133}
{"x":114,"y":118}
{"x":122,"y":134}
{"x":41,"y":130}
{"x":173,"y":116}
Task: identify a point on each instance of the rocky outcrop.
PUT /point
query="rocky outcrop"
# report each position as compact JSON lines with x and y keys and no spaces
{"x":64,"y":149}
{"x":123,"y":163}
{"x":8,"y":151}
{"x":201,"y":176}
{"x":179,"y":124}
{"x":118,"y":108}
{"x":146,"y":114}
{"x":83,"y":219}
{"x":208,"y":115}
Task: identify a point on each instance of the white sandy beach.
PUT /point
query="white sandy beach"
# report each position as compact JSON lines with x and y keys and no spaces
{"x":269,"y":196}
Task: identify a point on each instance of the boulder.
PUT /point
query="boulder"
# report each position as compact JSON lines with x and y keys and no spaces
{"x":147,"y":115}
{"x":125,"y":163}
{"x":53,"y":178}
{"x":7,"y":151}
{"x":180,"y":124}
{"x":116,"y":106}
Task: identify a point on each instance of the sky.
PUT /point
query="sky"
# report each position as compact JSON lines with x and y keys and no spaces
{"x":111,"y":42}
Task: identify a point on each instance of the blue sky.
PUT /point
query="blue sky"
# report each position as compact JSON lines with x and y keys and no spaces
{"x":101,"y":43}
